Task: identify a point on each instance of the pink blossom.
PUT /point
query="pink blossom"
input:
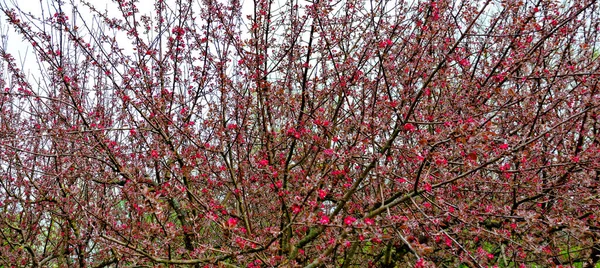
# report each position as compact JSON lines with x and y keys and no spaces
{"x":464,"y":62}
{"x":427,"y":187}
{"x":409,"y":127}
{"x":420,"y":263}
{"x":322,"y":193}
{"x":448,"y":241}
{"x":263,"y":163}
{"x":296,"y":209}
{"x":232,"y":222}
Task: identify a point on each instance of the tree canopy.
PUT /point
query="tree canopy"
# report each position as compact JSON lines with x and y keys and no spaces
{"x":300,"y":133}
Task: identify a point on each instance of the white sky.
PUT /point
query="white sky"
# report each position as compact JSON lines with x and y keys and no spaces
{"x":22,"y":51}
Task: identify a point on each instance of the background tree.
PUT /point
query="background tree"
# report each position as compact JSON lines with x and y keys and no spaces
{"x":285,"y":133}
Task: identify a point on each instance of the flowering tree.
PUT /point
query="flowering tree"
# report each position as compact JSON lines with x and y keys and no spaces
{"x":289,"y":133}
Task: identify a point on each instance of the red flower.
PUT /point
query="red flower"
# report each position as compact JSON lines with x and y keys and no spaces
{"x":324,"y":219}
{"x":369,"y":221}
{"x":178,"y":31}
{"x":448,"y":241}
{"x":296,"y":209}
{"x":428,"y":187}
{"x":409,"y":127}
{"x":349,"y":220}
{"x":420,"y":263}
{"x":385,"y":43}
{"x":263,"y":163}
{"x":322,"y":194}
{"x":232,"y":222}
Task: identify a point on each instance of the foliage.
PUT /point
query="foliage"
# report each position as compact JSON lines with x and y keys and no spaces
{"x":283,"y":133}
